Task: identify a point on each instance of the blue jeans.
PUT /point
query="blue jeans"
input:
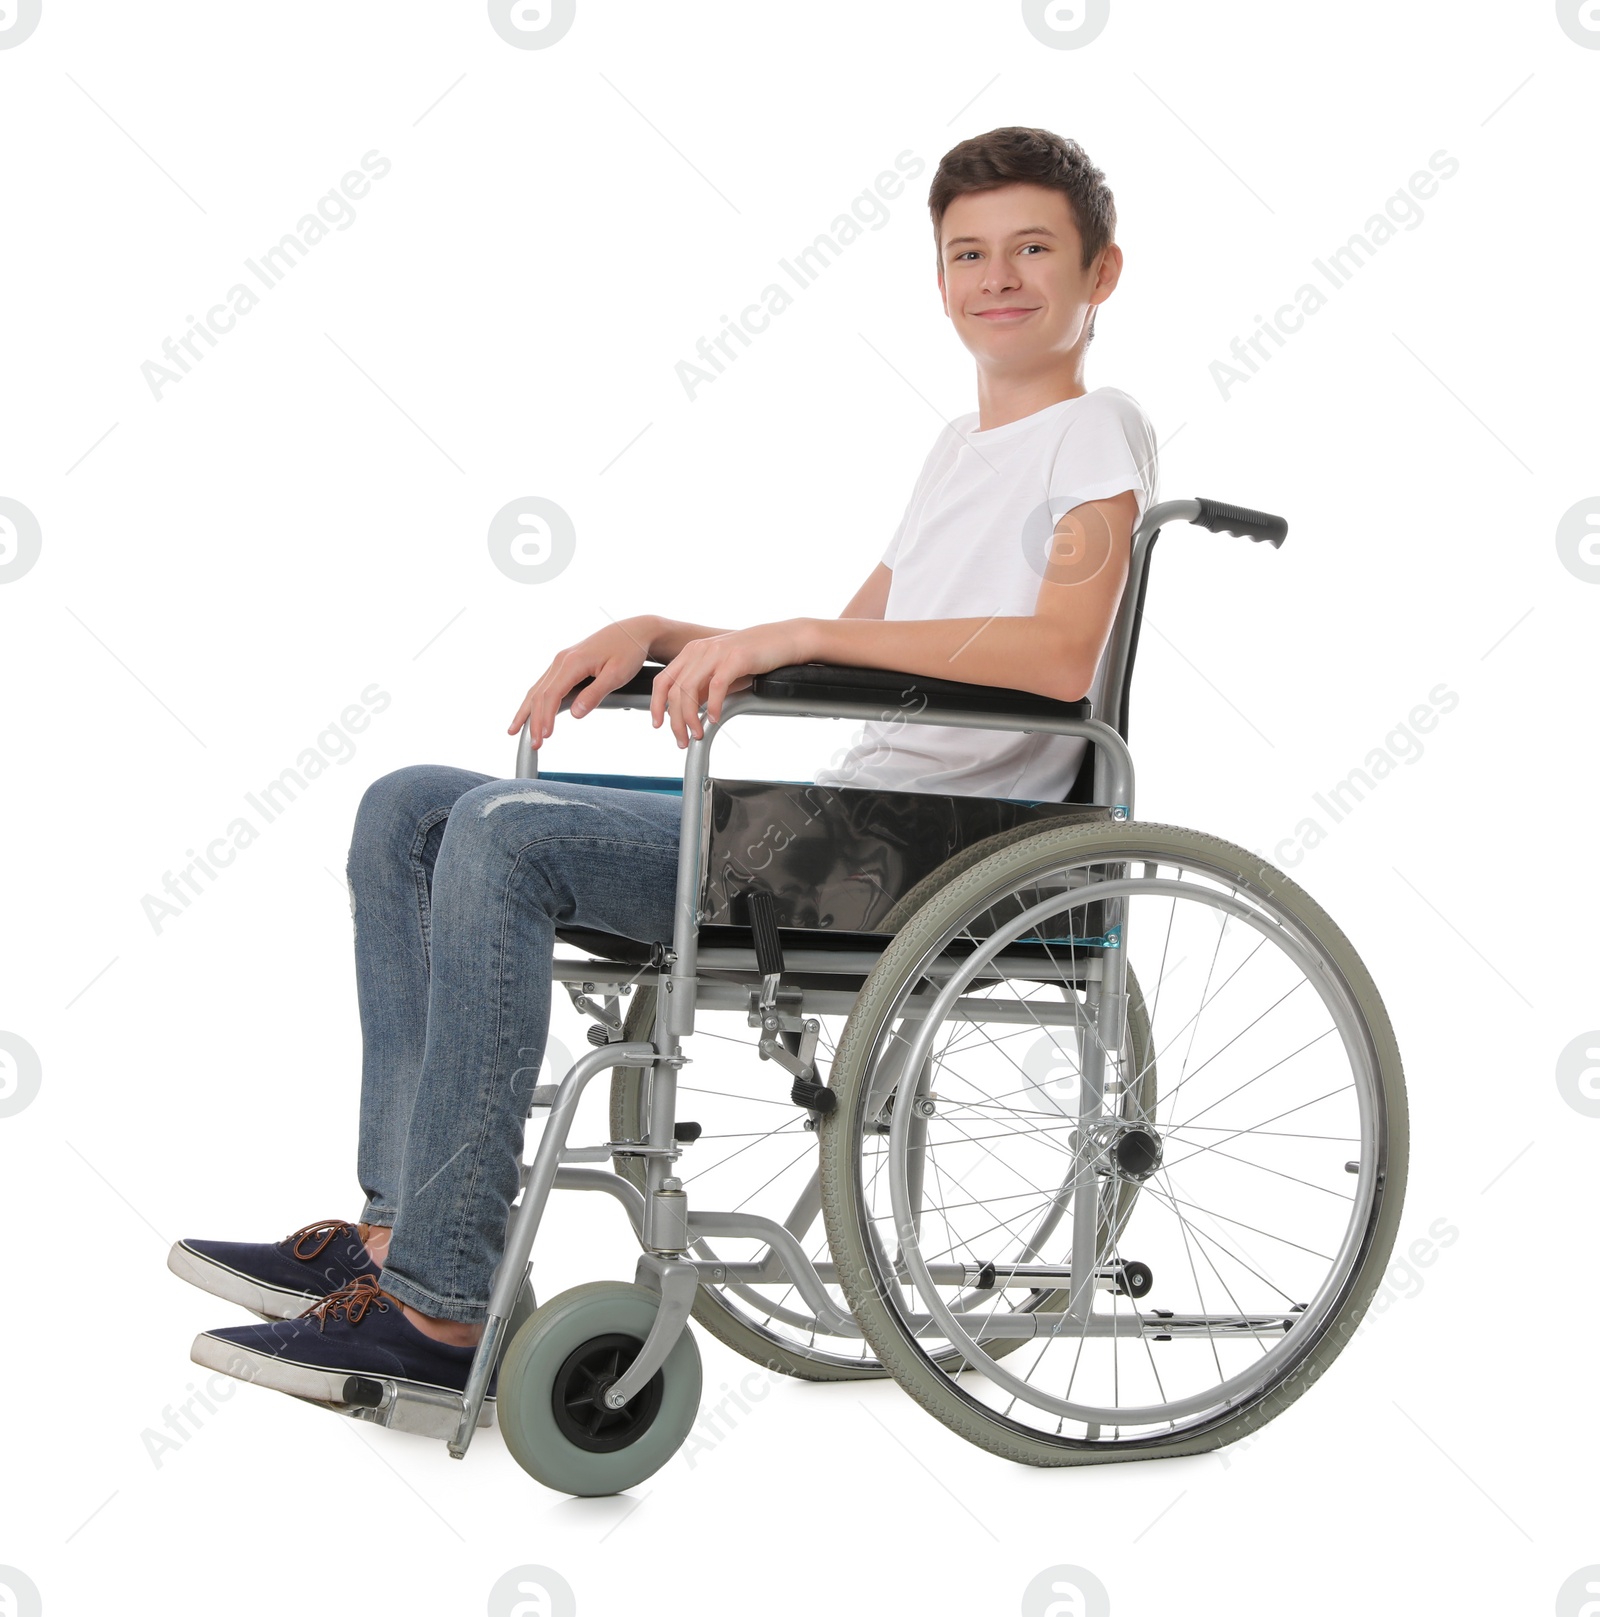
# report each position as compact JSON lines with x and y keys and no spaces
{"x":457,"y":884}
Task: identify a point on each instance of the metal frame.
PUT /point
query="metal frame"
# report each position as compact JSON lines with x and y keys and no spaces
{"x":666,"y":1224}
{"x":667,"y":1227}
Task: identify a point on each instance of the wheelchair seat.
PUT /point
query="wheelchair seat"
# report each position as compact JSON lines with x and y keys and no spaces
{"x":836,"y":859}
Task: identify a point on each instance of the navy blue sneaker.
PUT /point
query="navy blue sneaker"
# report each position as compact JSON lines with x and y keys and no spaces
{"x":276,"y":1280}
{"x":358,"y":1331}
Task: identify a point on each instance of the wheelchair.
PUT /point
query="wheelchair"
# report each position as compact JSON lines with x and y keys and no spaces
{"x":1089,"y":1132}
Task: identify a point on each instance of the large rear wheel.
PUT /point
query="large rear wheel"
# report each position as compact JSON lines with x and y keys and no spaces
{"x":1158,"y":1278}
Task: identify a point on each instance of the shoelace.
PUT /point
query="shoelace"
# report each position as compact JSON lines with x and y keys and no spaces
{"x":351,"y":1301}
{"x":328,"y":1228}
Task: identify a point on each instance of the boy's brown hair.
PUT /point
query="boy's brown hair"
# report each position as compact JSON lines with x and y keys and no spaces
{"x":1017,"y":156}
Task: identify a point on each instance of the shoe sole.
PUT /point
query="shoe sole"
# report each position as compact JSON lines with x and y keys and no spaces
{"x":314,"y":1382}
{"x":266,"y":1302}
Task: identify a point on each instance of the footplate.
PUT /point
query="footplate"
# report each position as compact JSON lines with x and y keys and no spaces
{"x":425,"y":1411}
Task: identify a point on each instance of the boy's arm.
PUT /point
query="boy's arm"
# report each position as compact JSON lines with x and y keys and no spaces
{"x":873,"y":596}
{"x":1053,"y":652}
{"x":665,"y":637}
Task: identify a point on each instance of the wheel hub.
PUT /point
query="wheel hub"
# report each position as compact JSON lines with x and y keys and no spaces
{"x":1127,"y":1151}
{"x":577,"y":1396}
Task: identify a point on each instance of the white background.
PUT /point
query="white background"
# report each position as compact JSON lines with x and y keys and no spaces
{"x":225,"y":570}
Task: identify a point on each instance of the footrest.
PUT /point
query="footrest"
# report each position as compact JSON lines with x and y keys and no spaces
{"x":382,"y":1403}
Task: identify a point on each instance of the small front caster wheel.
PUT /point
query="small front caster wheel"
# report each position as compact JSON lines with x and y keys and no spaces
{"x":553,"y":1377}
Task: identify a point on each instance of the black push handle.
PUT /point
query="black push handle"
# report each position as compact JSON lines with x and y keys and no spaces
{"x":1239,"y":519}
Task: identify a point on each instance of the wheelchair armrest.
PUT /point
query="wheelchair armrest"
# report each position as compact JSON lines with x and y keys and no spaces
{"x":638,"y":686}
{"x":827,"y":682}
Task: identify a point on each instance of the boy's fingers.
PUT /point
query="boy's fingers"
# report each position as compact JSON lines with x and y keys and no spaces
{"x":658,"y":699}
{"x":716,"y":695}
{"x":679,"y":709}
{"x":687,"y":703}
{"x":664,"y":690}
{"x":602,"y":683}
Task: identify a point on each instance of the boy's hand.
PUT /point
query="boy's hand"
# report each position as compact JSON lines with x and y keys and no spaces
{"x":611,"y":658}
{"x":707,"y":671}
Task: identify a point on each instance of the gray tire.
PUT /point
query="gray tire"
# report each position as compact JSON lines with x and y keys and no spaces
{"x":532,"y":1379}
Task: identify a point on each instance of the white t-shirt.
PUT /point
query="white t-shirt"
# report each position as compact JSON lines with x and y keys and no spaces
{"x":973,"y":542}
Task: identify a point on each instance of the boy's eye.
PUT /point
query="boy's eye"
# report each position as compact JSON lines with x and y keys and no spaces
{"x":971,"y":252}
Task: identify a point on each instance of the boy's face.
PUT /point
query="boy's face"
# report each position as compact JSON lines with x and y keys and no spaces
{"x":1010,"y":275}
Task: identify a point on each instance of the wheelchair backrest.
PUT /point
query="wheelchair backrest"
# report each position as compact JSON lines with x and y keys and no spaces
{"x":1120,"y":651}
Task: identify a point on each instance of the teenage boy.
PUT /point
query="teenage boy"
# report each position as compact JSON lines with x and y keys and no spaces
{"x":1006,"y":570}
